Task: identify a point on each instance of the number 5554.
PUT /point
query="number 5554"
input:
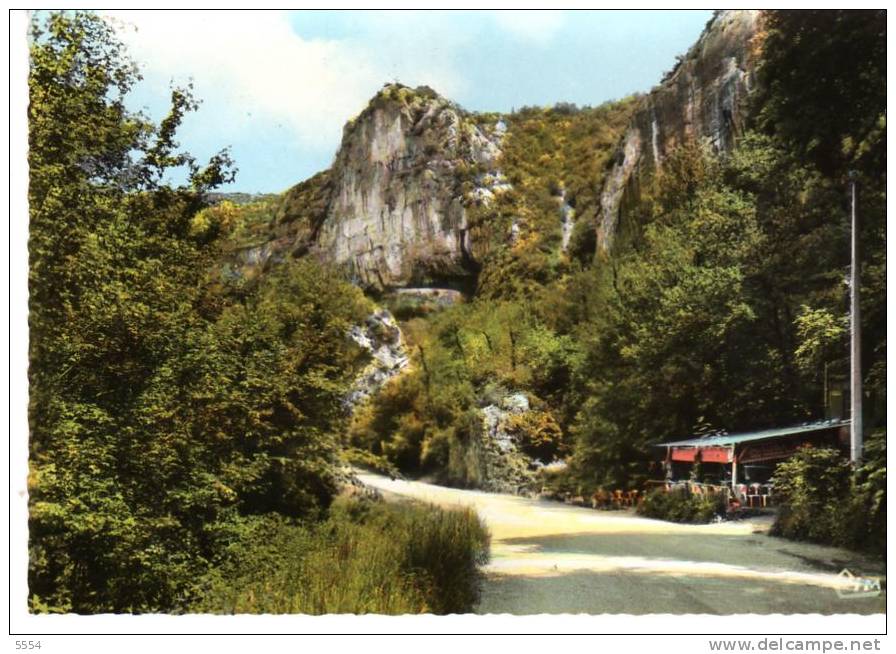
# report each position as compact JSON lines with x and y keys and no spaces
{"x":27,"y":644}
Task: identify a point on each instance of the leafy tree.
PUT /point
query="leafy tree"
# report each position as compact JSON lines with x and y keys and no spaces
{"x":823,"y":85}
{"x":822,"y":96}
{"x":164,"y":410}
{"x":706,"y":317}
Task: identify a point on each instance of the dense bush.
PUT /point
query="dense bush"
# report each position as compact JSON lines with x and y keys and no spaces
{"x":547,"y":154}
{"x":368,"y":557}
{"x":538,"y":434}
{"x":681,"y":505}
{"x":824,"y":499}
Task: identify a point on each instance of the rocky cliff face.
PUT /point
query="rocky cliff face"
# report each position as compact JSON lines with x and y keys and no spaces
{"x":394,"y":210}
{"x":381,"y":336}
{"x":703,"y":98}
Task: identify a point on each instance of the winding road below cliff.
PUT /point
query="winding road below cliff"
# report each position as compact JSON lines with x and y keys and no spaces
{"x":547,"y":557}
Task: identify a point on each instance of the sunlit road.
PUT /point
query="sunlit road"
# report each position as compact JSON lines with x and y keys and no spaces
{"x":547,"y":557}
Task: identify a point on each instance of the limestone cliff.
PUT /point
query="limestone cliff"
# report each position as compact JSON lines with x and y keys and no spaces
{"x":703,"y":98}
{"x":391,"y":208}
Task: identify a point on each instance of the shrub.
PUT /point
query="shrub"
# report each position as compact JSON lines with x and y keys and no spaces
{"x":538,"y":434}
{"x":369,"y":461}
{"x":869,"y":514}
{"x":824,"y":499}
{"x":680,"y":505}
{"x":812,"y":488}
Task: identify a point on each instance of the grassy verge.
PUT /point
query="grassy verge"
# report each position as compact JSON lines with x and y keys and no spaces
{"x":367,"y":557}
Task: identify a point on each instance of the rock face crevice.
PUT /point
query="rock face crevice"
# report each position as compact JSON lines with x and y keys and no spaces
{"x":703,"y":98}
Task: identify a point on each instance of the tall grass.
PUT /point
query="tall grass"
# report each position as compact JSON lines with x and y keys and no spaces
{"x":368,"y":557}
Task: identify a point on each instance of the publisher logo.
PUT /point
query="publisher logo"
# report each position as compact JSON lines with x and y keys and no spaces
{"x":854,"y":586}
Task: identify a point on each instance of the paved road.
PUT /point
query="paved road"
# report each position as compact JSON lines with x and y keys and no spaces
{"x":552,"y":558}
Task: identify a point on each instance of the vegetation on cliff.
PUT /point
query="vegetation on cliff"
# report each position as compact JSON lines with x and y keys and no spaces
{"x":187,"y":418}
{"x":551,"y":157}
{"x":464,"y":359}
{"x":722,"y":304}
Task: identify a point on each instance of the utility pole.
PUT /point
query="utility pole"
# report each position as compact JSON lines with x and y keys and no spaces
{"x":855,"y":331}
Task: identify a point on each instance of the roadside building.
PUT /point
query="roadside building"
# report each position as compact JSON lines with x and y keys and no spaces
{"x":746,"y":461}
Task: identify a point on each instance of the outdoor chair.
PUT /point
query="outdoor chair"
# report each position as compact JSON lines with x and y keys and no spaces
{"x":755,"y":496}
{"x":618,"y":499}
{"x":765,"y":492}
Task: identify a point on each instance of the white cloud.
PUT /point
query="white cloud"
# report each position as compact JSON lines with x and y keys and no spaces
{"x":538,"y":26}
{"x":252,"y":67}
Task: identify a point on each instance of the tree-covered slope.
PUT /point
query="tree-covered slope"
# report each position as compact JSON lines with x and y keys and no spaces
{"x":721,"y":304}
{"x":180,"y":412}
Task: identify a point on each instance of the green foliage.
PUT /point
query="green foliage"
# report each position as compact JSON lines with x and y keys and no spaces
{"x":243,"y":224}
{"x":822,"y":95}
{"x":820,"y":334}
{"x":823,"y":499}
{"x":868,"y":519}
{"x":367,"y":557}
{"x":304,"y":205}
{"x":675,"y":334}
{"x":427,"y":419}
{"x":549,"y":156}
{"x":721,"y":309}
{"x":367,"y":460}
{"x":823,"y":85}
{"x":163,"y":409}
{"x":812,"y":489}
{"x":680,"y":505}
{"x":538,"y":434}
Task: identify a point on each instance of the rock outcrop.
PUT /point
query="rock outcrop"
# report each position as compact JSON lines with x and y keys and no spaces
{"x":381,"y":336}
{"x":505,"y":468}
{"x":393,"y":207}
{"x":393,"y":204}
{"x":703,"y":98}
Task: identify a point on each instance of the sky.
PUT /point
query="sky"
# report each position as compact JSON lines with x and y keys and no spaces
{"x":277,"y":86}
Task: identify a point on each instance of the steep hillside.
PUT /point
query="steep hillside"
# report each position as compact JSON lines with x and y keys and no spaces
{"x":703,"y":99}
{"x":422,"y":192}
{"x":392,"y":208}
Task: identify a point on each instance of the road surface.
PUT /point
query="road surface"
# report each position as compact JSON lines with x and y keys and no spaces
{"x":547,"y":557}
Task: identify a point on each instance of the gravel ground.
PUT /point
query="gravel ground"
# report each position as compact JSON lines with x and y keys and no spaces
{"x":552,"y":558}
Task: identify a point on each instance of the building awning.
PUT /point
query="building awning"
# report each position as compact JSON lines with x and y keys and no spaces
{"x":710,"y":454}
{"x":710,"y":443}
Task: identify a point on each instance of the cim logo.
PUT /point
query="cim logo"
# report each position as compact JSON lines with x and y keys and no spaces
{"x":854,"y":586}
